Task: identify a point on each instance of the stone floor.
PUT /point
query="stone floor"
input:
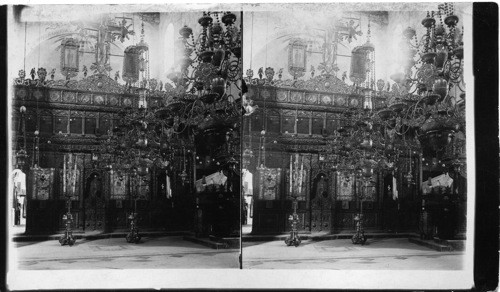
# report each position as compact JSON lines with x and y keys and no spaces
{"x":170,"y":252}
{"x":341,"y":254}
{"x":166,"y":252}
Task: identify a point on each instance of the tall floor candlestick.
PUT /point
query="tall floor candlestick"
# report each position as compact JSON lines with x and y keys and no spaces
{"x":67,"y":237}
{"x":74,"y":178}
{"x":301,"y":176}
{"x":291,"y":175}
{"x":64,"y":175}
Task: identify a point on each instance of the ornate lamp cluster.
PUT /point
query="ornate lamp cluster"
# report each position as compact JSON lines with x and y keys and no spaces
{"x":209,"y":66}
{"x":428,"y":100}
{"x":196,"y":100}
{"x":421,"y":112}
{"x":360,"y":145}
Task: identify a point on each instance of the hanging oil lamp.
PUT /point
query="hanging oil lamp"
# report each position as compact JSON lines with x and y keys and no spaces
{"x":409,"y":175}
{"x":184,"y":174}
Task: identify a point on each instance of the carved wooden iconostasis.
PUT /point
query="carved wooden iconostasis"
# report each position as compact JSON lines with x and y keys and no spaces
{"x":328,"y":202}
{"x":71,"y":104}
{"x":305,"y":74}
{"x":73,"y":122}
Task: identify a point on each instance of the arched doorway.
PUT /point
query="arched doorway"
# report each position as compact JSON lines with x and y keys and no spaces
{"x":321,"y":203}
{"x":94,"y":202}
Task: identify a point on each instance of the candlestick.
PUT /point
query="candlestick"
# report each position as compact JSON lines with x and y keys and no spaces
{"x":74,"y":178}
{"x":64,"y":175}
{"x":301,"y":175}
{"x":291,"y":178}
{"x":296,"y":174}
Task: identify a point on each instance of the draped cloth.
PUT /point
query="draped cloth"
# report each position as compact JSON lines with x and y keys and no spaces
{"x":216,"y":178}
{"x":395,"y":194}
{"x":443,"y":180}
{"x":168,"y":189}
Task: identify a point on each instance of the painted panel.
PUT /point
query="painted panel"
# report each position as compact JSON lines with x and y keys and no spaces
{"x":118,"y":186}
{"x":44,"y":181}
{"x":269,"y":186}
{"x":345,"y":187}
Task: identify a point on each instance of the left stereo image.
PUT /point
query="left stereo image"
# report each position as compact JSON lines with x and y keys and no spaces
{"x":124,"y":138}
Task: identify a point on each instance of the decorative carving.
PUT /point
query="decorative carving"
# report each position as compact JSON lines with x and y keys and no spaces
{"x":21,"y":93}
{"x":326,"y":99}
{"x":84,"y":98}
{"x":38,"y":94}
{"x":355,"y":102}
{"x":113,"y":100}
{"x":281,"y":95}
{"x":331,"y":84}
{"x":296,"y":96}
{"x":304,"y":114}
{"x":77,"y":113}
{"x":99,"y":99}
{"x":69,"y":97}
{"x":127,"y":102}
{"x":322,"y":83}
{"x":96,"y":82}
{"x":269,"y":74}
{"x":265,"y":94}
{"x":340,"y":101}
{"x":320,"y":115}
{"x":311,"y":98}
{"x":54,"y":95}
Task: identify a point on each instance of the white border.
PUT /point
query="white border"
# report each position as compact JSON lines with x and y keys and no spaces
{"x":292,"y":279}
{"x":248,"y":279}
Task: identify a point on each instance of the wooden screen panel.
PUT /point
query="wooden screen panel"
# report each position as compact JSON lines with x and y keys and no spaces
{"x":303,"y":125}
{"x":317,"y":126}
{"x":288,"y":124}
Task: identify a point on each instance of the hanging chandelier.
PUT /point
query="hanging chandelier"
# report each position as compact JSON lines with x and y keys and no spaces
{"x":201,"y":97}
{"x":422,"y":112}
{"x":204,"y":91}
{"x":362,"y":144}
{"x":427,"y":100}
